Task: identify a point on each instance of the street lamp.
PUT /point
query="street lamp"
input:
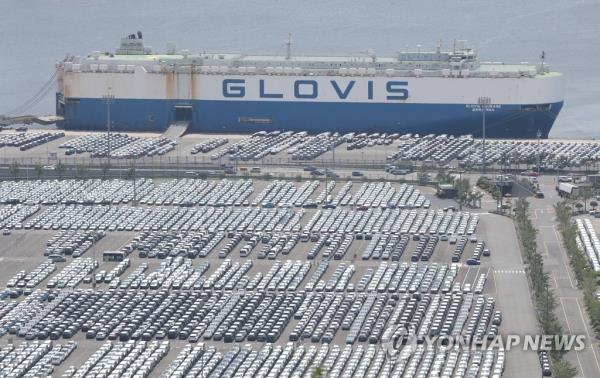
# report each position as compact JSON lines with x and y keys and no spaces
{"x":108,"y":100}
{"x":483,"y":103}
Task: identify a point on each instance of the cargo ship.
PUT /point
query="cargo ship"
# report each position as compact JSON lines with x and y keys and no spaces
{"x":444,"y":91}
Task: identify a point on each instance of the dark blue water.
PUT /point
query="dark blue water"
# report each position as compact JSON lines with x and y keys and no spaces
{"x":35,"y":34}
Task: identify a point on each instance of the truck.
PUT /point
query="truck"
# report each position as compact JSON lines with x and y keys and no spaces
{"x":566,"y":189}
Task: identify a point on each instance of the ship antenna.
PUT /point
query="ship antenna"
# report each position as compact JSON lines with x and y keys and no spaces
{"x":288,"y":45}
{"x":542,"y":58}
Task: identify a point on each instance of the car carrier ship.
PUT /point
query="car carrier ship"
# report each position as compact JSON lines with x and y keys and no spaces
{"x":418,"y":92}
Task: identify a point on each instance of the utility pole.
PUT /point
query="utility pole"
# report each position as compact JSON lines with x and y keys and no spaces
{"x":108,"y":100}
{"x":483,"y":102}
{"x":134,"y":185}
{"x":94,"y":266}
{"x":333,"y":155}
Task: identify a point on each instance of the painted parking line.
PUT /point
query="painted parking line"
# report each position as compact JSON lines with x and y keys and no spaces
{"x":509,"y":271}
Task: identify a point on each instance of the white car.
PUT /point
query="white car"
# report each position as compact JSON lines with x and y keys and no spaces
{"x":466,"y":288}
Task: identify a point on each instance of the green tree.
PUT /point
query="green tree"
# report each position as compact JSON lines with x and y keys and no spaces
{"x":477,"y":196}
{"x":39,"y":170}
{"x":105,"y":169}
{"x":585,"y":192}
{"x":318,"y":372}
{"x":130,"y":174}
{"x":14,"y":169}
{"x":578,"y":206}
{"x":594,"y":205}
{"x":563,"y":369}
{"x":422,"y":175}
{"x":60,"y":169}
{"x":463,"y":187}
{"x":443,"y":177}
{"x":81,"y":170}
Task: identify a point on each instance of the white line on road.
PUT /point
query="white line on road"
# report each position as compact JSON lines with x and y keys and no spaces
{"x":554,"y":279}
{"x":563,"y":254}
{"x":570,"y":333}
{"x":587,"y":331}
{"x":462,"y":285}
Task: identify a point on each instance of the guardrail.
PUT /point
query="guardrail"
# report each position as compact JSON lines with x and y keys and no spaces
{"x":195,"y":162}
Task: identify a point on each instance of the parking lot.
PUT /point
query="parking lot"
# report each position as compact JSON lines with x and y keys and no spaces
{"x":354,"y":150}
{"x":239,"y":277}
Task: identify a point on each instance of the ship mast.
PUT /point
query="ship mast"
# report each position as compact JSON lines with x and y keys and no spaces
{"x":288,"y":44}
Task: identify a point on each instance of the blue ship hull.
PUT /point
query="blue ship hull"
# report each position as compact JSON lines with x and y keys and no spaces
{"x":506,"y":121}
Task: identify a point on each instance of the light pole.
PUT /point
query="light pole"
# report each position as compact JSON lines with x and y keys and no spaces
{"x":108,"y":100}
{"x":539,"y":135}
{"x":483,"y":102}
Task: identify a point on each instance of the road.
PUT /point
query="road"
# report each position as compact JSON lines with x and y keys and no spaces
{"x":571,"y":309}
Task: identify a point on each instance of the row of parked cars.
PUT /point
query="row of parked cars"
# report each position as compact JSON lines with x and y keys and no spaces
{"x":208,"y":145}
{"x":122,"y":146}
{"x":588,"y":241}
{"x":29,"y":139}
{"x":73,"y":191}
{"x":33,"y":359}
{"x":141,"y":358}
{"x":12,"y":216}
{"x":137,"y":218}
{"x":38,"y":316}
{"x":382,"y":195}
{"x":415,"y":222}
{"x":130,"y":359}
{"x":553,"y":154}
{"x":73,"y":273}
{"x":72,"y":242}
{"x":163,"y":244}
{"x":333,"y":360}
{"x":27,"y":281}
{"x":443,"y":149}
{"x":259,"y":145}
{"x":299,"y":145}
{"x":193,"y":192}
{"x":315,"y":146}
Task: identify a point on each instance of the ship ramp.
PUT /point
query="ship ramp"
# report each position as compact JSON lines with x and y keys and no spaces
{"x":29,"y":119}
{"x":176,"y":130}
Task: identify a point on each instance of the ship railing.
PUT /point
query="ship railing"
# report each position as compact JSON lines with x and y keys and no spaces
{"x":293,"y":71}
